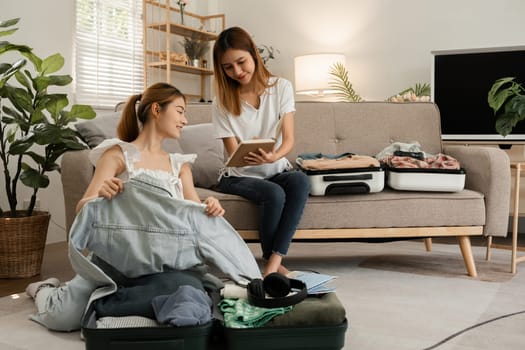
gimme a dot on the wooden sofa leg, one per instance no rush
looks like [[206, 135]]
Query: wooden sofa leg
[[466, 251], [428, 244], [489, 245]]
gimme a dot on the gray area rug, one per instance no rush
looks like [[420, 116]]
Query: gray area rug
[[439, 264], [397, 297]]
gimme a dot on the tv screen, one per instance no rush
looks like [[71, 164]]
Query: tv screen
[[461, 80]]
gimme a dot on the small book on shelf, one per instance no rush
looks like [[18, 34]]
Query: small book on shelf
[[247, 146]]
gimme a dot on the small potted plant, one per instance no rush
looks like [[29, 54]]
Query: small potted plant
[[195, 49], [341, 83], [507, 94], [267, 53], [34, 132]]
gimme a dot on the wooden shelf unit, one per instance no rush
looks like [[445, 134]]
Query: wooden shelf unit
[[162, 28]]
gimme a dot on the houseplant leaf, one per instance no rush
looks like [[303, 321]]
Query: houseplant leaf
[[498, 94], [31, 116], [52, 64], [507, 93], [32, 178]]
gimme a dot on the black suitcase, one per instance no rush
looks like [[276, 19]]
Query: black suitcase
[[289, 338], [151, 338], [279, 334]]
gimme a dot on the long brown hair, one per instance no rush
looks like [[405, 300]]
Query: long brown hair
[[128, 128], [227, 90]]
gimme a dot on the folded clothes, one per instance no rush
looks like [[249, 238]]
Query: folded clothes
[[343, 161], [127, 322], [188, 306], [135, 299], [239, 313]]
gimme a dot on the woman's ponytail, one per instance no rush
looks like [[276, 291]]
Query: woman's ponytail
[[128, 126]]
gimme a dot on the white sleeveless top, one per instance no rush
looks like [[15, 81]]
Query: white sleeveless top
[[131, 154]]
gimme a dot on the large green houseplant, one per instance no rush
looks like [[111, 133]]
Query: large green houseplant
[[35, 128], [507, 94]]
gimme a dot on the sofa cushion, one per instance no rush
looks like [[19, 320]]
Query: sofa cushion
[[94, 131], [199, 139], [389, 208]]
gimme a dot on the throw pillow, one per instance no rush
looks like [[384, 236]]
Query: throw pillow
[[199, 139], [103, 126]]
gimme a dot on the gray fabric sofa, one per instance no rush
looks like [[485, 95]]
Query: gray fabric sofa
[[482, 208]]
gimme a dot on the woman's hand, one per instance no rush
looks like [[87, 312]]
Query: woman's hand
[[110, 188], [213, 207], [261, 157]]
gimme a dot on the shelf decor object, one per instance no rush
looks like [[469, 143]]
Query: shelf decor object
[[164, 57]]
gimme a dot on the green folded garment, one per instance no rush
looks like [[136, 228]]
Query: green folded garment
[[313, 311], [239, 313]]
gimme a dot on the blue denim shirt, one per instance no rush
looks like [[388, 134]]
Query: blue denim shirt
[[145, 230]]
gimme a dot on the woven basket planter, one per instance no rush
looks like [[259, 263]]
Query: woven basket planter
[[22, 243]]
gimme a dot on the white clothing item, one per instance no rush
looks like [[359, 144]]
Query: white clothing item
[[127, 322], [233, 291], [263, 122], [389, 150], [132, 155]]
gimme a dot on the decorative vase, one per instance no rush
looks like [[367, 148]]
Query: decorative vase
[[194, 62], [22, 243]]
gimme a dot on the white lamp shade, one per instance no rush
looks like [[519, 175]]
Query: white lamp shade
[[312, 75]]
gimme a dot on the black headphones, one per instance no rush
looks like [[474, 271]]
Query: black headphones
[[278, 287]]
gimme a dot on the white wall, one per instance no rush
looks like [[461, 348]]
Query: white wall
[[48, 27], [387, 43]]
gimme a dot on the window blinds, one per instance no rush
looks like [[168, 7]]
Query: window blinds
[[108, 51]]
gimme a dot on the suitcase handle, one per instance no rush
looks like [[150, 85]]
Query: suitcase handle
[[347, 177], [347, 188]]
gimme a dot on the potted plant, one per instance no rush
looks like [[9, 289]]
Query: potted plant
[[341, 83], [195, 49], [267, 53], [507, 93], [34, 132]]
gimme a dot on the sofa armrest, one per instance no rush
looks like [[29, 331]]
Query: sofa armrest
[[76, 173], [487, 171]]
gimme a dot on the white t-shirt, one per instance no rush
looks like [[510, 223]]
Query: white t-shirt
[[263, 122]]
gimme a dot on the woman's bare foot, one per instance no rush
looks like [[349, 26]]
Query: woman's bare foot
[[274, 265], [283, 270]]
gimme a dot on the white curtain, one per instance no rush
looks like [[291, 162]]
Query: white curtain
[[108, 51]]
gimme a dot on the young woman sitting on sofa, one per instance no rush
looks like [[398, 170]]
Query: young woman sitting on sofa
[[252, 103]]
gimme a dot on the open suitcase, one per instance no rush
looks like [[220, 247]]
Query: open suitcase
[[345, 181], [154, 338], [289, 338], [212, 336], [426, 179], [316, 323]]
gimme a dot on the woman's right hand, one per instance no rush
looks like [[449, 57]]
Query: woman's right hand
[[110, 188]]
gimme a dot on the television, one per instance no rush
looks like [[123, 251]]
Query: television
[[461, 80]]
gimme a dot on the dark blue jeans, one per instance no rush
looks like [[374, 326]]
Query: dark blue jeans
[[280, 200]]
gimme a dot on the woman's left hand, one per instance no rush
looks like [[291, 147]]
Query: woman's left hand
[[261, 158], [213, 207]]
